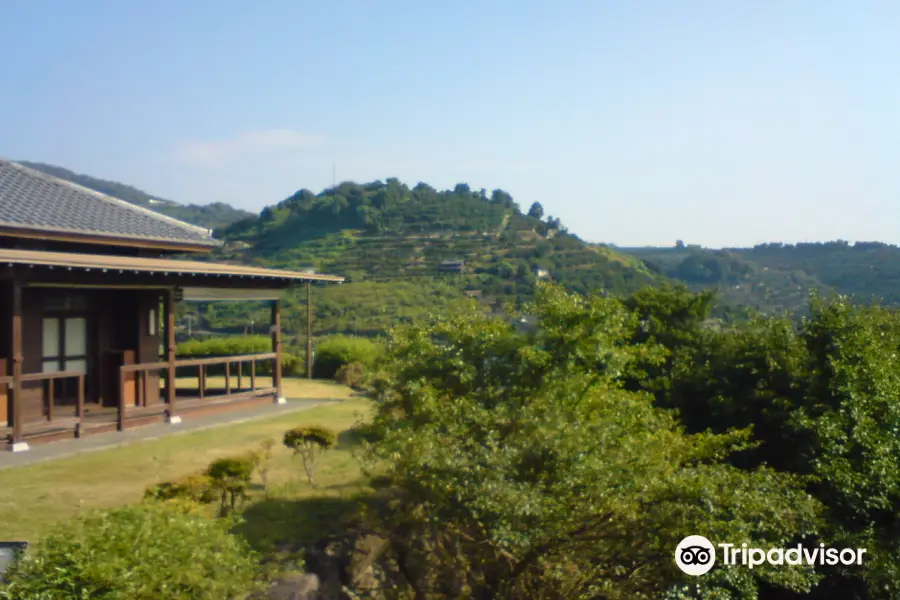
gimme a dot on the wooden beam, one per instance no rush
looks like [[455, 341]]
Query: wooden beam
[[201, 294], [309, 361], [17, 359], [276, 348], [169, 302]]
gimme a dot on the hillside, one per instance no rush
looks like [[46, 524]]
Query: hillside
[[865, 270], [741, 281], [211, 216], [419, 250], [779, 277]]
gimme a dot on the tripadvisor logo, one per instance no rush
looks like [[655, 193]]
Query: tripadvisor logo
[[696, 555]]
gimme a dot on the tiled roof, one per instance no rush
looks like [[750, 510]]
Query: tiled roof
[[31, 200]]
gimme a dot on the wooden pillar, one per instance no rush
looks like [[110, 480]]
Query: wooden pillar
[[169, 302], [309, 357], [276, 348], [17, 443]]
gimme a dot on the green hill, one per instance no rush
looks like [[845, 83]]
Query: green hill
[[410, 251], [211, 216], [741, 281]]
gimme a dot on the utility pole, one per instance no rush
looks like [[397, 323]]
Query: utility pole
[[309, 355]]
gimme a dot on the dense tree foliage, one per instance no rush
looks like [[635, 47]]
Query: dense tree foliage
[[136, 553], [520, 466], [821, 399], [567, 459]]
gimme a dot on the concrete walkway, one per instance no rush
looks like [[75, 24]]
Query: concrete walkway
[[113, 439]]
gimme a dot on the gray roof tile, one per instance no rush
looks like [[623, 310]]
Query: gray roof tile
[[33, 200]]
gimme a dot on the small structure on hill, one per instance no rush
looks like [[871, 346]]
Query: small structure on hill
[[452, 266]]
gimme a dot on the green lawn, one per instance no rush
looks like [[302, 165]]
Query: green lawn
[[293, 387], [35, 497]]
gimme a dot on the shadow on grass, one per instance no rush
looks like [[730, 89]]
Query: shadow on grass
[[280, 528], [349, 438]]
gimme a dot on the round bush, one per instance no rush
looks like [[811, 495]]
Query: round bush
[[313, 435], [351, 375], [143, 552], [197, 487], [334, 352]]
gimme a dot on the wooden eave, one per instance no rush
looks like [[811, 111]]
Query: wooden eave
[[107, 240], [101, 268]]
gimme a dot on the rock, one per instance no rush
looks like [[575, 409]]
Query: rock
[[301, 586], [365, 552]]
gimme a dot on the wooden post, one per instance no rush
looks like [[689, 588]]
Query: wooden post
[[309, 357], [17, 443], [50, 399], [121, 417], [79, 408], [276, 348], [171, 385]]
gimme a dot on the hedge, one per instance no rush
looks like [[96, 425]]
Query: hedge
[[236, 345], [334, 352], [144, 552]]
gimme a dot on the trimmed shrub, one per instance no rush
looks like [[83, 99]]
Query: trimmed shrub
[[142, 552], [352, 375], [309, 443], [334, 352], [236, 345], [231, 478], [196, 488], [291, 365], [262, 467], [225, 346]]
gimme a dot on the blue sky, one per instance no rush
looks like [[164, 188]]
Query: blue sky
[[716, 122]]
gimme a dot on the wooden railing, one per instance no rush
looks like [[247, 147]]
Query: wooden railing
[[48, 399], [47, 391], [142, 373]]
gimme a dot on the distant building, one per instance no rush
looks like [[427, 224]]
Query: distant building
[[472, 293], [541, 273]]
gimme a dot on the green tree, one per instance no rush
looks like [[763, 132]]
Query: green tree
[[520, 467], [536, 211], [231, 478], [309, 443], [821, 399]]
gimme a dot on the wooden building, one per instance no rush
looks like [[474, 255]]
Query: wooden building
[[88, 288], [452, 266]]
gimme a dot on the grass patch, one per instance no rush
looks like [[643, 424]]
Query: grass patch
[[293, 387], [35, 497]]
